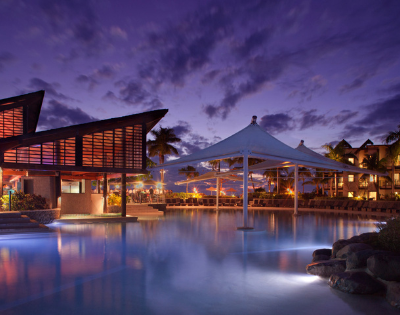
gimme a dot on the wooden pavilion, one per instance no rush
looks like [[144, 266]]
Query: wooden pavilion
[[40, 162]]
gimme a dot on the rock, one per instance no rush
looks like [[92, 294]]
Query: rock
[[320, 257], [338, 245], [357, 260], [385, 265], [351, 248], [323, 251], [326, 268], [369, 238], [393, 294], [355, 282]]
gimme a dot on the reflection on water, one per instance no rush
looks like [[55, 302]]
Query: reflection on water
[[188, 262]]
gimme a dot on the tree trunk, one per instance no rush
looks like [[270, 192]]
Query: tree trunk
[[277, 181], [323, 185], [393, 178], [336, 185], [251, 178], [187, 187], [377, 188], [330, 187]]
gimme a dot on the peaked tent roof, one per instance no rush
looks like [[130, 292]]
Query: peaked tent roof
[[258, 143], [333, 164]]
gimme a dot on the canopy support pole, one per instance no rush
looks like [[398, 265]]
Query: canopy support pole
[[245, 191], [296, 189], [217, 192]]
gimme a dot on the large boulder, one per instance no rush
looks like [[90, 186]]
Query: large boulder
[[355, 282], [338, 245], [320, 257], [358, 260], [370, 238], [326, 268], [323, 251], [393, 294], [385, 265], [351, 248]]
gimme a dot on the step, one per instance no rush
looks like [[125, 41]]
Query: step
[[21, 219], [10, 214], [31, 224]]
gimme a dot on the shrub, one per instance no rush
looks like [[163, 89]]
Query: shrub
[[22, 201], [389, 234], [115, 200]]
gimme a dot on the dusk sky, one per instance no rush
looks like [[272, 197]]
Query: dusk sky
[[313, 70]]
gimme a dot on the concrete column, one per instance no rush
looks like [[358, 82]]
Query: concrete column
[[296, 189], [105, 191], [245, 188], [1, 182], [217, 192], [123, 195]]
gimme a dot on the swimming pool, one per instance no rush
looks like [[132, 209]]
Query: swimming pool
[[188, 262]]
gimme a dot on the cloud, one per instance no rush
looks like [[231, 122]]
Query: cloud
[[84, 79], [184, 47], [357, 82], [57, 115], [105, 72], [305, 89], [343, 116], [71, 56], [50, 88], [277, 123], [310, 118], [381, 117], [182, 128], [134, 93], [77, 20], [5, 58], [252, 42], [118, 32]]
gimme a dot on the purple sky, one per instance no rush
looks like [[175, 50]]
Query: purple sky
[[313, 70]]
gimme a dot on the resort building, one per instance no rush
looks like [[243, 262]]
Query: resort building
[[366, 186], [66, 165]]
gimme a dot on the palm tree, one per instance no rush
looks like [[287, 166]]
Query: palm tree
[[393, 138], [269, 176], [239, 160], [161, 145], [317, 179], [189, 172], [338, 153], [304, 173], [373, 163]]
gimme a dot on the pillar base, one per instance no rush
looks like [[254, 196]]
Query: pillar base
[[296, 214], [244, 228]]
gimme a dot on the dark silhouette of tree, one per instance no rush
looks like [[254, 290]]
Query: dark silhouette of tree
[[189, 172], [161, 145]]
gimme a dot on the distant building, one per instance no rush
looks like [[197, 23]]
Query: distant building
[[355, 185], [65, 165]]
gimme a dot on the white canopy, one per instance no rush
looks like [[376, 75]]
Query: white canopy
[[257, 143], [253, 141]]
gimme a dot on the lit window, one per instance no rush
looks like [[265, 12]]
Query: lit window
[[351, 194], [351, 160], [351, 178], [73, 187]]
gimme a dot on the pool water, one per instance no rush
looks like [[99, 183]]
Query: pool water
[[188, 262]]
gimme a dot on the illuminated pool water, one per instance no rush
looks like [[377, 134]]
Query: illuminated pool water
[[192, 262]]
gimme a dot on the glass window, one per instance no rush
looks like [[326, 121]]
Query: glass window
[[73, 186], [351, 160], [351, 178], [351, 194]]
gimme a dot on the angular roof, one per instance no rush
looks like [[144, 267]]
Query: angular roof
[[33, 104]]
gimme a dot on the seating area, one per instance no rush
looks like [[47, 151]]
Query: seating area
[[351, 205]]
